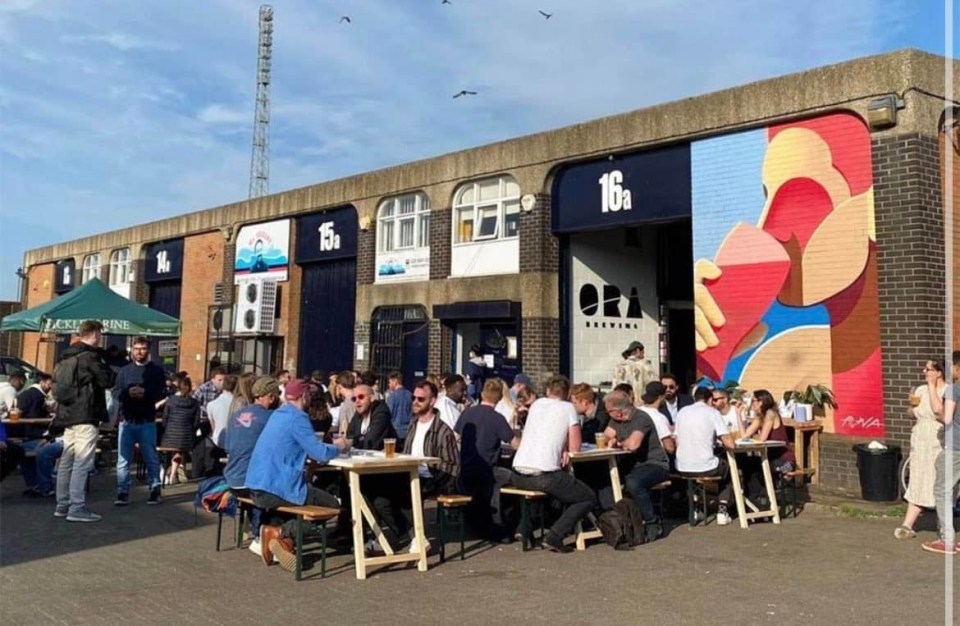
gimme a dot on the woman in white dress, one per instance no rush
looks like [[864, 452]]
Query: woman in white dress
[[925, 445]]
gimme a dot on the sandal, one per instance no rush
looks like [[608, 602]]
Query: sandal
[[902, 532]]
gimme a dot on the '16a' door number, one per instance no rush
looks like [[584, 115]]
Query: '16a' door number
[[613, 195]]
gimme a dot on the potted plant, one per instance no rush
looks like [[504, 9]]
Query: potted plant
[[812, 402]]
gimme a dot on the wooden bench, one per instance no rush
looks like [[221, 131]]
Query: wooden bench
[[696, 486], [529, 498], [787, 489], [450, 513], [657, 500]]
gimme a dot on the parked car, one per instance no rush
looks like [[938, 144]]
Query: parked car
[[10, 365]]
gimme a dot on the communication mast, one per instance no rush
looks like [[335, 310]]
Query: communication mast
[[260, 157]]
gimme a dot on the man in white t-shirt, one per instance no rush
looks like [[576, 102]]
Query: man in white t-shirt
[[652, 398], [552, 430], [447, 404], [697, 428]]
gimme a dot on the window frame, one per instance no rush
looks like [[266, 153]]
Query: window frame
[[92, 267], [120, 269], [475, 206], [389, 213]]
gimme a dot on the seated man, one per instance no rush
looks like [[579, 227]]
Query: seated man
[[34, 403], [632, 429], [697, 428], [552, 430], [239, 439], [371, 423], [593, 415], [652, 398], [275, 475], [482, 432]]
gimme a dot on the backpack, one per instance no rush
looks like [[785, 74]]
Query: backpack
[[66, 387], [622, 524]]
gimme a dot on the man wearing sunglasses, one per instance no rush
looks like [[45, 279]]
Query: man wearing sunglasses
[[673, 400], [371, 424]]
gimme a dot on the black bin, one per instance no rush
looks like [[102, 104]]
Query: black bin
[[878, 472]]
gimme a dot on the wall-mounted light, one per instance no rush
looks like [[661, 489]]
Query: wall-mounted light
[[882, 111], [527, 202], [227, 232], [365, 223]]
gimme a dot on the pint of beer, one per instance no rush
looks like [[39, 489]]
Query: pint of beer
[[914, 400], [389, 448], [14, 415], [601, 441]]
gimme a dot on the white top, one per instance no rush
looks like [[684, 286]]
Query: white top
[[505, 410], [545, 436], [732, 419], [8, 398], [671, 408], [335, 414], [664, 429], [417, 450], [449, 412], [364, 425], [697, 427], [218, 411]]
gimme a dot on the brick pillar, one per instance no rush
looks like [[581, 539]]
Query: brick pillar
[[140, 290], [540, 348], [366, 255], [361, 334], [539, 249], [40, 283], [440, 235], [434, 347]]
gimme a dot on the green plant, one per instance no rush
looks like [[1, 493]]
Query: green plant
[[733, 390], [817, 395]]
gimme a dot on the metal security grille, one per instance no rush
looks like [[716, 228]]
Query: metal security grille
[[388, 328]]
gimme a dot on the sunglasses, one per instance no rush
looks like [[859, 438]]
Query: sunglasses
[[716, 399], [669, 386], [359, 396]]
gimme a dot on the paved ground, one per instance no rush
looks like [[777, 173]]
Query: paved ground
[[152, 565]]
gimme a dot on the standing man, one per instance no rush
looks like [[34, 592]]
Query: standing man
[[141, 384], [400, 403], [673, 400], [81, 380], [633, 370], [210, 390], [552, 431], [948, 462]]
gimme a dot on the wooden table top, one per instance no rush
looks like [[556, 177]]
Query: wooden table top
[[377, 461], [809, 425], [594, 453], [30, 421], [756, 445]]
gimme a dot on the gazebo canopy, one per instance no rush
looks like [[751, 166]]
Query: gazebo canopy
[[93, 301]]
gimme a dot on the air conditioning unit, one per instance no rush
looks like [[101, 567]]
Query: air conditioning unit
[[256, 307], [219, 322]]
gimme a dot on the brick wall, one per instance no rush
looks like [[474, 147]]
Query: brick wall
[[434, 342], [440, 243], [361, 334], [203, 261], [10, 342], [140, 290], [540, 348], [946, 144], [911, 280], [40, 282], [539, 250], [366, 255]]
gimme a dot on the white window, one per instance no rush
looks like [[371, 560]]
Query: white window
[[403, 223], [120, 267], [403, 239], [91, 267], [486, 210]]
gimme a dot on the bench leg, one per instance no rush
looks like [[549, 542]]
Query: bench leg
[[219, 528], [525, 530], [239, 525], [298, 570], [441, 523], [691, 505], [461, 523], [323, 549], [543, 515]]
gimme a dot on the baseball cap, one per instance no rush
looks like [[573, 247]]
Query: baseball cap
[[265, 385], [652, 391], [523, 379], [296, 389]]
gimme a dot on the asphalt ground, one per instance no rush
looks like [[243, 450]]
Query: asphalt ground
[[152, 565]]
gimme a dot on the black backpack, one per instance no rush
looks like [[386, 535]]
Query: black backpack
[[622, 524], [66, 388]]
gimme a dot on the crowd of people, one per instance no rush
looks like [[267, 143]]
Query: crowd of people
[[485, 433]]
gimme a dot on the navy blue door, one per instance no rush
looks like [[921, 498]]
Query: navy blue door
[[165, 297], [327, 310], [415, 346], [496, 339]]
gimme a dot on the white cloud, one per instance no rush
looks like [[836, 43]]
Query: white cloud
[[141, 115]]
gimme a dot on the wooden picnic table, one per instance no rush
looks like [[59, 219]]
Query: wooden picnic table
[[593, 454], [761, 448], [376, 463], [802, 430], [29, 421]]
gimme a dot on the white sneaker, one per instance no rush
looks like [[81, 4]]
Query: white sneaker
[[413, 546], [723, 518], [255, 547], [372, 546]]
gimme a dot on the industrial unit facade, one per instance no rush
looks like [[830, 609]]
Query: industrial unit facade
[[780, 234]]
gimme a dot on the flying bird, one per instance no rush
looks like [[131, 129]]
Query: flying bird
[[464, 92], [345, 18], [447, 2], [546, 16]]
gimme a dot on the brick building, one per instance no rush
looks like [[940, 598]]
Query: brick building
[[780, 234]]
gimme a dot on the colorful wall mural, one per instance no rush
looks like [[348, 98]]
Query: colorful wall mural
[[785, 264]]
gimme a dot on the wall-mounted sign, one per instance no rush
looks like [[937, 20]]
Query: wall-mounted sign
[[66, 276], [328, 235], [263, 249], [628, 190], [163, 261], [400, 265]]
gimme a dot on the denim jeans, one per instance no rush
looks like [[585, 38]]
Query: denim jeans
[[79, 449], [38, 471], [144, 433], [944, 490], [638, 483], [564, 487]]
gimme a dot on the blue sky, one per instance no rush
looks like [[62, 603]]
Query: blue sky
[[114, 113]]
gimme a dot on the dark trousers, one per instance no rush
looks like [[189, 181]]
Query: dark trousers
[[638, 482], [206, 457], [315, 497], [389, 495], [564, 487], [485, 513], [10, 457]]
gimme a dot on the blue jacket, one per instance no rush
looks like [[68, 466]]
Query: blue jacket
[[280, 454], [240, 438], [400, 403]]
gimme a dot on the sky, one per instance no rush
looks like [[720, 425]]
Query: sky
[[119, 112]]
